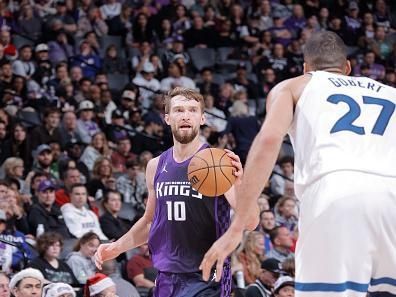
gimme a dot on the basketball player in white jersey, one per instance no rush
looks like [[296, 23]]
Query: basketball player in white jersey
[[343, 130]]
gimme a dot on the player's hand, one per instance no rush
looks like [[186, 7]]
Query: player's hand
[[104, 253], [219, 251], [236, 162]]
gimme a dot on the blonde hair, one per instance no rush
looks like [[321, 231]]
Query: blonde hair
[[239, 109], [189, 94], [10, 164], [247, 249]]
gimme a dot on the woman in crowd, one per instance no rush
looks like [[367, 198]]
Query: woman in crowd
[[49, 246], [98, 148], [102, 178], [81, 259], [113, 226], [250, 254], [286, 213]]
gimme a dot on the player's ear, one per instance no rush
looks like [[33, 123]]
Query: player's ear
[[348, 67], [167, 119], [203, 119]]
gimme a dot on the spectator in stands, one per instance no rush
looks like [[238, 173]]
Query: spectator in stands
[[3, 131], [198, 35], [10, 50], [60, 49], [98, 148], [284, 287], [92, 22], [177, 49], [113, 226], [86, 127], [49, 246], [123, 288], [58, 290], [380, 44], [267, 223], [182, 22], [24, 65], [43, 162], [147, 83], [74, 149], [352, 25], [282, 183], [132, 186], [13, 169], [6, 251], [122, 155], [102, 178], [297, 21], [282, 242], [80, 260], [207, 86], [111, 9], [121, 24], [243, 127], [113, 62], [215, 118], [68, 128], [241, 81], [29, 24], [48, 132], [6, 75], [289, 266], [176, 78], [27, 283], [279, 31], [375, 71], [286, 213], [99, 285], [78, 218], [8, 232], [89, 62], [141, 29], [140, 269], [4, 285], [46, 212], [263, 286]]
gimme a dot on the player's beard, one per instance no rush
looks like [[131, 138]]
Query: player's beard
[[185, 137]]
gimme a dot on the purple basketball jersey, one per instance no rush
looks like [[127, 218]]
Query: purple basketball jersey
[[185, 223]]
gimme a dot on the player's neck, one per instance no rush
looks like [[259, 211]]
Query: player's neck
[[182, 152]]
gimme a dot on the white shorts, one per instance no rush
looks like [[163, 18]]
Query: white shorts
[[347, 236]]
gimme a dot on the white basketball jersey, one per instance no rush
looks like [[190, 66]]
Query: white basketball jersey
[[343, 123]]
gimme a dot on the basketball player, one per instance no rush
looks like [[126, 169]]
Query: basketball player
[[343, 132], [179, 223]]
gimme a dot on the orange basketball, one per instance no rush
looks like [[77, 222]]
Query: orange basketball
[[210, 172]]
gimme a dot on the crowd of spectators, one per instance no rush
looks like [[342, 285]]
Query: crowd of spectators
[[81, 114]]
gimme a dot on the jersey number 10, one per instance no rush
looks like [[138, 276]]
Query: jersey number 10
[[176, 210], [345, 123]]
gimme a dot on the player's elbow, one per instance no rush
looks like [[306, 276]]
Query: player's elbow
[[254, 219], [270, 139]]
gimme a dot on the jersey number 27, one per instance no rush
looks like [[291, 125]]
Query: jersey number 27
[[345, 123]]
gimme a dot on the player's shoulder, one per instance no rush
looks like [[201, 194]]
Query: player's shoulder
[[294, 86], [153, 164]]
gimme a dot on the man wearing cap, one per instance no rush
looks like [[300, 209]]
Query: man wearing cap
[[284, 287], [5, 257], [27, 283], [270, 271], [46, 212], [58, 290], [43, 158], [177, 49], [49, 131], [147, 83], [68, 23], [86, 127], [128, 102]]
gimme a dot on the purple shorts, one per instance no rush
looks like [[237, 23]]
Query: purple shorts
[[185, 285]]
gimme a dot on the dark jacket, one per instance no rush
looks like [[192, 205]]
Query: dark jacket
[[52, 220]]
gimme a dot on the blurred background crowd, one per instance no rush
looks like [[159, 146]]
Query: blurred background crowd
[[81, 114]]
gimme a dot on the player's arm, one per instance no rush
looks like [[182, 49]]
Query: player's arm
[[261, 159], [138, 234]]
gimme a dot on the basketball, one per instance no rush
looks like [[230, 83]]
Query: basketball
[[210, 172]]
